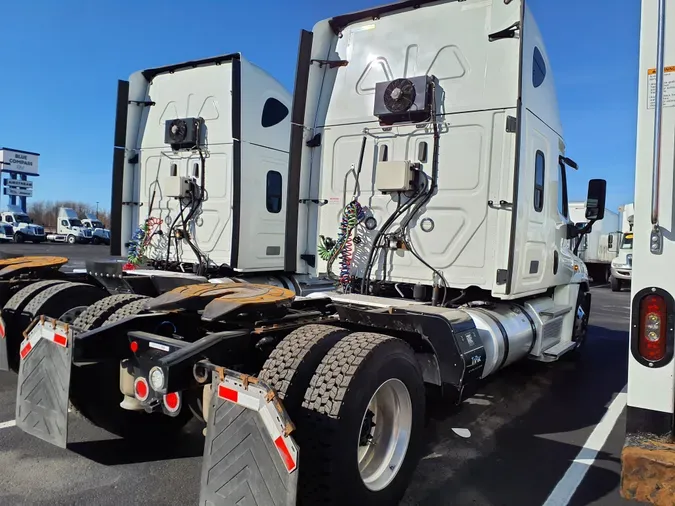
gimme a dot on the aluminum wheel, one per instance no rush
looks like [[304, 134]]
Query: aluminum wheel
[[385, 434]]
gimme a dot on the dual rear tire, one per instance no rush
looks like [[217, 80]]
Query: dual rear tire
[[358, 401]]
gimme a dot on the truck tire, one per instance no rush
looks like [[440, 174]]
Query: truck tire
[[291, 365], [615, 284], [95, 392], [364, 423], [71, 239], [65, 301], [94, 316], [18, 237], [11, 314]]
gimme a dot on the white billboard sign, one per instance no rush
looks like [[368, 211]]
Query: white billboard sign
[[18, 192], [18, 183], [22, 162]]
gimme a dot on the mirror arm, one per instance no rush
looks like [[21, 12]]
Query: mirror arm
[[581, 232]]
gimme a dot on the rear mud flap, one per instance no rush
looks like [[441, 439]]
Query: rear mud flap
[[249, 455], [4, 357], [44, 380]]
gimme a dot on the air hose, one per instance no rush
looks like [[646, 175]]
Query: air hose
[[343, 247], [141, 239]]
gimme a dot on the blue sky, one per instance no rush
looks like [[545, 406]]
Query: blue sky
[[61, 61]]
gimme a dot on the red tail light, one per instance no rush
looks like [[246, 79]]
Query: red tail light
[[172, 402], [653, 321], [141, 388]]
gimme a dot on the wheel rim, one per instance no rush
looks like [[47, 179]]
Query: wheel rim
[[385, 434]]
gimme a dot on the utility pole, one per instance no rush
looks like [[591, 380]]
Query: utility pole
[[96, 209]]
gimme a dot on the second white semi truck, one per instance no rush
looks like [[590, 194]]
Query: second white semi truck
[[414, 238]]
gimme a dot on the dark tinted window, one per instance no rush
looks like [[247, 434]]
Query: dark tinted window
[[538, 68], [273, 191], [274, 112], [539, 169]]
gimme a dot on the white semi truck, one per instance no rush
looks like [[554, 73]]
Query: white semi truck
[[622, 265], [600, 246], [100, 234], [23, 228], [415, 237], [70, 229], [648, 457]]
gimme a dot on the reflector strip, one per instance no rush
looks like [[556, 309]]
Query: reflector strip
[[285, 454], [228, 394], [2, 328], [46, 328], [26, 350], [258, 397], [248, 401], [61, 340]]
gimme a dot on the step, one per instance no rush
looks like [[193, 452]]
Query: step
[[560, 349], [556, 311]]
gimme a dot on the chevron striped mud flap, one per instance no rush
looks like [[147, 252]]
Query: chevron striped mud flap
[[249, 455], [44, 380]]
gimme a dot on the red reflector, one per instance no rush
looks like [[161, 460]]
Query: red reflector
[[128, 267], [172, 401], [26, 350], [141, 389], [2, 328], [653, 321], [61, 340], [285, 454], [228, 394], [134, 346]]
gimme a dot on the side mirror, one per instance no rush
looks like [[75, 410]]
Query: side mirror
[[595, 202]]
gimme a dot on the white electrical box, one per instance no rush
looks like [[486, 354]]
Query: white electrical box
[[176, 186], [394, 176]]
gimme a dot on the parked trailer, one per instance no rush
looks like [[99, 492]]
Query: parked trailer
[[442, 280], [622, 265], [600, 246], [648, 456]]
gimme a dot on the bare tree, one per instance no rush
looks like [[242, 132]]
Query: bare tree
[[46, 212]]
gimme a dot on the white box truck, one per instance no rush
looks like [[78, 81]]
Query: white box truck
[[601, 246]]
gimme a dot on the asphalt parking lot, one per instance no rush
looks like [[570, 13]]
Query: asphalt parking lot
[[513, 444]]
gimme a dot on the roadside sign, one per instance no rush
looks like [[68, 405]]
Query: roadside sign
[[18, 183], [18, 192]]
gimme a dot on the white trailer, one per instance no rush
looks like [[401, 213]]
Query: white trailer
[[427, 176], [622, 265], [601, 246], [70, 229], [23, 228], [648, 456]]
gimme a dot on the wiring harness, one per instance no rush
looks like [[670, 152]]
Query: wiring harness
[[343, 247]]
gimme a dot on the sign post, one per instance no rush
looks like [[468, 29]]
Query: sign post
[[19, 164]]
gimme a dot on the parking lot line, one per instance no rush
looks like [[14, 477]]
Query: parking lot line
[[5, 425], [567, 486]]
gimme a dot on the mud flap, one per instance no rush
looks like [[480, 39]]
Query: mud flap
[[44, 380], [4, 357], [249, 455]]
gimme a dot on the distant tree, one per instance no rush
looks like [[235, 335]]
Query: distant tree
[[46, 212]]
